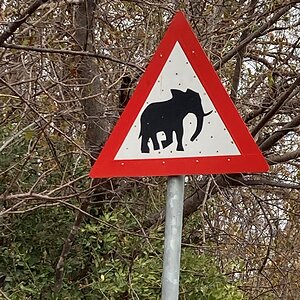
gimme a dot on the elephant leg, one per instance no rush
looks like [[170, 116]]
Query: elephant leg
[[154, 141], [179, 136], [169, 139], [144, 144]]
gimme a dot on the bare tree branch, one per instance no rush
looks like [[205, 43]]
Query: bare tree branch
[[275, 159], [257, 33], [276, 106], [13, 26], [193, 202], [265, 182], [72, 52], [276, 136], [240, 56]]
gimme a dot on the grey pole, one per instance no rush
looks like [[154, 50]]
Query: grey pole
[[173, 232]]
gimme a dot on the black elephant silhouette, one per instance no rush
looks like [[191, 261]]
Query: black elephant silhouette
[[167, 116]]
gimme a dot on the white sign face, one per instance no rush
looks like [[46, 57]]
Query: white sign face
[[169, 123]]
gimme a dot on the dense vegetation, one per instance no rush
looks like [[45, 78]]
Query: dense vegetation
[[67, 68]]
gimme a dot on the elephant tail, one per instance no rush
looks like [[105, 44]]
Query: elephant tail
[[207, 114]]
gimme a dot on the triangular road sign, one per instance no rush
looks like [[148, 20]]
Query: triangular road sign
[[180, 120]]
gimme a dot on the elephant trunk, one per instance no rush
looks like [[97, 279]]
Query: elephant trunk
[[200, 116]]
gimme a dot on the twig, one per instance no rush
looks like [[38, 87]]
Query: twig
[[7, 142], [44, 118], [4, 295], [59, 270], [12, 207], [203, 207], [271, 231]]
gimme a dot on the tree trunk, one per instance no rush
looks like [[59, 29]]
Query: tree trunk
[[97, 125]]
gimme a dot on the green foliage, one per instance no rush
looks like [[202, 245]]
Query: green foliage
[[29, 250], [106, 262], [202, 280]]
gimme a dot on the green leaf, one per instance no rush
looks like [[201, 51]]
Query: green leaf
[[28, 134]]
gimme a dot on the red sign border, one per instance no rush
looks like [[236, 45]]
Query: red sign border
[[251, 158]]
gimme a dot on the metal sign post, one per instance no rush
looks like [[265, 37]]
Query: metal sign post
[[172, 243]]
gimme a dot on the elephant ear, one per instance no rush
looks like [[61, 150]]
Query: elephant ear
[[191, 93], [177, 94]]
